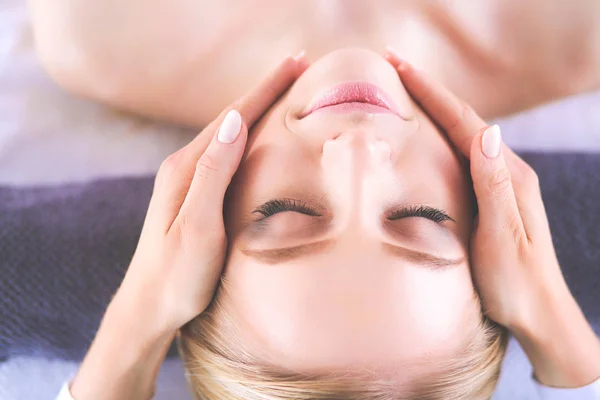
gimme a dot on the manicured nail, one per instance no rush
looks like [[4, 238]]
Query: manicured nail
[[491, 141], [300, 55], [392, 51], [399, 62], [230, 127]]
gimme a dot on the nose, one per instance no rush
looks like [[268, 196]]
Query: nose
[[356, 167], [362, 148]]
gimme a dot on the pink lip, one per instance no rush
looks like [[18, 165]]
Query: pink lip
[[352, 96]]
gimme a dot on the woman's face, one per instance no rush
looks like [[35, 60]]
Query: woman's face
[[348, 228]]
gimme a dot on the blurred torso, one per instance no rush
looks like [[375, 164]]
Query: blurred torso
[[500, 56]]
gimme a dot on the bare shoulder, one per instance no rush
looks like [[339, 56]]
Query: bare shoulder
[[557, 42], [164, 59], [514, 54]]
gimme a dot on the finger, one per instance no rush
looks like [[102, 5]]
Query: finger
[[496, 200], [176, 172], [392, 57], [253, 105], [528, 193], [213, 173], [457, 119], [462, 125]]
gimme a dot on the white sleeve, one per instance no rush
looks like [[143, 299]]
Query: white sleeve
[[589, 392], [65, 394]]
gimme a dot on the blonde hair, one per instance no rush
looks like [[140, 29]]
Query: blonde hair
[[217, 369]]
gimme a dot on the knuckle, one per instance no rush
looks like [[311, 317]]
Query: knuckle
[[468, 113], [509, 231], [206, 165], [499, 182], [513, 227], [171, 161], [527, 180], [209, 228], [188, 224], [530, 177], [169, 165], [465, 111]]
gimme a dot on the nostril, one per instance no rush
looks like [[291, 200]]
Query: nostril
[[353, 136]]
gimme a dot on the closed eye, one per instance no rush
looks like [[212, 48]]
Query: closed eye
[[431, 213], [275, 206]]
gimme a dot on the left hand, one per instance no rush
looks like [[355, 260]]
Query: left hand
[[177, 264], [512, 255]]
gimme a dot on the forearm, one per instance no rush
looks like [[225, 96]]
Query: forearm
[[125, 357], [560, 343]]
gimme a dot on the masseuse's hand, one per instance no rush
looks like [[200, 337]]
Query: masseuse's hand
[[180, 255], [177, 265], [512, 256]]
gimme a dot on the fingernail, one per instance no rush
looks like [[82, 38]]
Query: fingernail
[[491, 141], [300, 55], [391, 50], [230, 127], [400, 63]]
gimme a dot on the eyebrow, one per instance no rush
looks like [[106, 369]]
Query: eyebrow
[[278, 256], [429, 260], [281, 255]]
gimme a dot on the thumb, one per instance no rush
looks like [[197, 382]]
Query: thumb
[[498, 210], [215, 168]]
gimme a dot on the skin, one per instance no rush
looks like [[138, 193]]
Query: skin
[[526, 292], [182, 248], [178, 262], [160, 58], [356, 278]]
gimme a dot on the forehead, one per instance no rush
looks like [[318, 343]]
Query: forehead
[[351, 305]]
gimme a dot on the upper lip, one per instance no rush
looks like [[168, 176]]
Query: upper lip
[[354, 92]]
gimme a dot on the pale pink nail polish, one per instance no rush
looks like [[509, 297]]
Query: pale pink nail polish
[[491, 140], [230, 127]]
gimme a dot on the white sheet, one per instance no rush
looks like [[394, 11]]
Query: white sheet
[[48, 136]]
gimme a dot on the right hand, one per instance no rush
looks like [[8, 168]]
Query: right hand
[[513, 261], [179, 259], [181, 252]]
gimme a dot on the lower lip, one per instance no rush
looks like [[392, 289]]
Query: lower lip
[[354, 96]]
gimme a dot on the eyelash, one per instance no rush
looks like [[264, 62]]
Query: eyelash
[[275, 206], [430, 213]]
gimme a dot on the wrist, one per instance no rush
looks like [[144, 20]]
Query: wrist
[[125, 357], [559, 342], [544, 311], [140, 309], [135, 324]]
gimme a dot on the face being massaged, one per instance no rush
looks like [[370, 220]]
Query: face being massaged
[[352, 227], [349, 222]]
